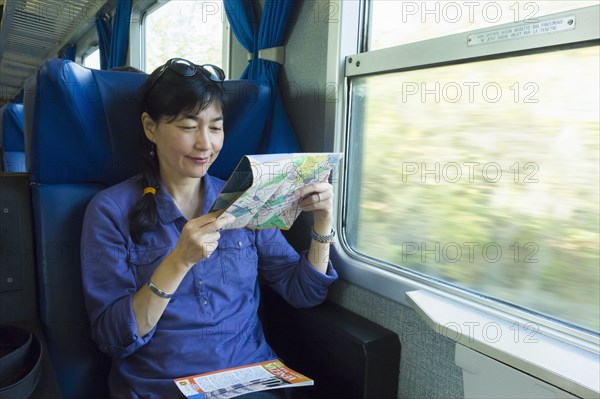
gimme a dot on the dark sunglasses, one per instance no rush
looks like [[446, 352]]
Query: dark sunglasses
[[188, 69]]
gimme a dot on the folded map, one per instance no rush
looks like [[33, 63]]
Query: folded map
[[261, 190]]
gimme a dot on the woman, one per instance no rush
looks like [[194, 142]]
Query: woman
[[168, 292]]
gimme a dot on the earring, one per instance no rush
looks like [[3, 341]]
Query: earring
[[152, 152]]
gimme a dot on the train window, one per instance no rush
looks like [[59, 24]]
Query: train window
[[189, 29], [482, 173], [422, 20], [92, 60]]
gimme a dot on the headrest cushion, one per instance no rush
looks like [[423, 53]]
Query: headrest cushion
[[83, 124], [11, 127]]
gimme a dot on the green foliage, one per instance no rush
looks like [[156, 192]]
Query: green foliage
[[499, 197], [190, 29]]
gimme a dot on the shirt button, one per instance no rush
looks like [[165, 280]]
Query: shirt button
[[240, 243], [205, 302], [200, 283]]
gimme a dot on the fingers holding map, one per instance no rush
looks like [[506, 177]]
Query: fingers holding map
[[261, 190]]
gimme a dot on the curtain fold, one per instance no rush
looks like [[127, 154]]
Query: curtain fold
[[103, 28], [119, 39], [68, 52], [71, 52], [271, 34], [113, 41], [279, 135], [242, 20]]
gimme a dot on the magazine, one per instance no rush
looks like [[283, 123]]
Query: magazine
[[236, 381], [260, 191]]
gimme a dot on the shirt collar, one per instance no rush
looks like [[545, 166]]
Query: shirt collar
[[167, 209], [212, 187]]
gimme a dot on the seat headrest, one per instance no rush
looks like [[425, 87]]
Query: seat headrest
[[82, 124], [246, 120], [11, 127]]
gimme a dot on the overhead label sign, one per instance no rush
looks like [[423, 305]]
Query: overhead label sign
[[525, 30]]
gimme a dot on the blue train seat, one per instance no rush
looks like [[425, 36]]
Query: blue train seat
[[12, 147], [81, 137]]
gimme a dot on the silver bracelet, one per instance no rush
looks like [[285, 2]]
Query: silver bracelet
[[158, 291], [328, 239]]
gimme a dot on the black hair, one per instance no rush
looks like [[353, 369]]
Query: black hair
[[166, 98], [126, 68]]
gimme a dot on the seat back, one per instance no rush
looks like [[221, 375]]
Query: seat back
[[81, 137], [79, 140], [12, 147]]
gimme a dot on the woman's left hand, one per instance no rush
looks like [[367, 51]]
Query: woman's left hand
[[318, 199]]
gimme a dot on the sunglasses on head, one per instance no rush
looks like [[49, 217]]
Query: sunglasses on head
[[188, 69]]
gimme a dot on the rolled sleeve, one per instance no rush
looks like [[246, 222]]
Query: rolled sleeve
[[315, 277], [116, 332], [290, 274]]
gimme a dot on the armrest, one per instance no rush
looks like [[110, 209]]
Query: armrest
[[347, 355], [47, 387]]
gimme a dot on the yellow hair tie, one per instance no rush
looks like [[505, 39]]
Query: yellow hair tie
[[149, 190]]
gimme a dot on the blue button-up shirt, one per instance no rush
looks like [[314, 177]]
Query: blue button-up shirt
[[211, 322]]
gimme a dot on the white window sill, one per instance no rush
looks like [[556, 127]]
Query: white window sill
[[565, 366]]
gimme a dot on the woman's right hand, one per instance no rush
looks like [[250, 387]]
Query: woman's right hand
[[199, 238]]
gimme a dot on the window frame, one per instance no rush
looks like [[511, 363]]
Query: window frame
[[140, 37], [389, 280]]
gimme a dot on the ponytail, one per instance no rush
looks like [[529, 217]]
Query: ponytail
[[143, 216]]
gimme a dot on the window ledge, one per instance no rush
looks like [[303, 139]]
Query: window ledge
[[522, 347]]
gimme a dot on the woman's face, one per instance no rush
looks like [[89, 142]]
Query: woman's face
[[187, 145]]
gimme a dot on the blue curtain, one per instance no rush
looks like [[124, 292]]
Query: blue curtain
[[69, 52], [279, 135], [113, 41], [103, 28]]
